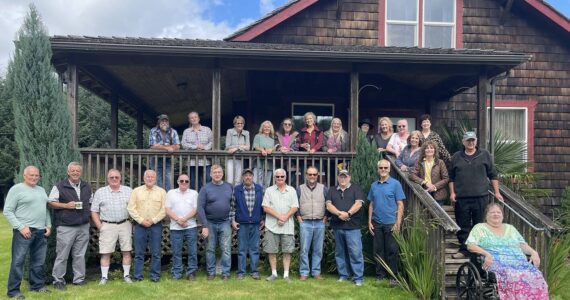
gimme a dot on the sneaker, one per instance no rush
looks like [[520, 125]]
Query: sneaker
[[225, 277], [358, 283], [240, 277], [342, 279], [42, 290], [271, 278], [191, 277], [393, 283], [80, 283], [303, 278], [287, 279], [59, 285], [319, 277], [211, 277], [103, 281], [17, 296], [155, 280], [255, 276], [459, 255], [127, 279]]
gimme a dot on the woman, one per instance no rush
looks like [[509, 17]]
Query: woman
[[385, 132], [398, 141], [366, 128], [264, 142], [311, 137], [286, 136], [237, 139], [430, 172], [505, 255], [429, 135], [336, 139], [406, 161]]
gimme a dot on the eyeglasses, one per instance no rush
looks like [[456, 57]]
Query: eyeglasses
[[287, 124], [239, 123], [383, 168], [401, 126], [276, 176], [312, 174], [183, 181], [114, 177]]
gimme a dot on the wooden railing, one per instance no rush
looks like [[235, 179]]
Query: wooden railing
[[420, 204], [133, 162]]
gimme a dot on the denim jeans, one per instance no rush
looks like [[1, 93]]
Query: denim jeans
[[262, 178], [233, 171], [312, 237], [36, 246], [386, 247], [162, 168], [177, 238], [142, 236], [348, 252], [248, 243], [219, 233], [197, 178]]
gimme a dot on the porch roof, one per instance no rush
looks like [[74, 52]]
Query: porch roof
[[143, 72]]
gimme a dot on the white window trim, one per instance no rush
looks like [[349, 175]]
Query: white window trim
[[400, 22], [525, 109], [453, 25]]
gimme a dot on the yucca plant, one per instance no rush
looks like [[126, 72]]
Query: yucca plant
[[559, 250], [418, 266]]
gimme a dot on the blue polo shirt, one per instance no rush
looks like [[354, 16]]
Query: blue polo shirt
[[385, 196]]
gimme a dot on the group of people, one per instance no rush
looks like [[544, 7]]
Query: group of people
[[248, 208]]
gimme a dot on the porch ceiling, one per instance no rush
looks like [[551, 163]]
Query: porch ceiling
[[174, 76]]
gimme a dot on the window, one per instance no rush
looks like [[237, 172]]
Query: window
[[324, 113], [422, 23]]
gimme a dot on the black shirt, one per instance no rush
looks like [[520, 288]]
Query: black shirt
[[343, 201]]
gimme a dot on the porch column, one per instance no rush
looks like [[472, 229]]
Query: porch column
[[216, 101], [140, 119], [482, 133], [353, 125], [72, 91], [114, 121]]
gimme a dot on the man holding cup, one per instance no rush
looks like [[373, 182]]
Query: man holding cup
[[70, 199]]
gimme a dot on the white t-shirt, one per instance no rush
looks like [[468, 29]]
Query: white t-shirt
[[398, 143], [181, 204]]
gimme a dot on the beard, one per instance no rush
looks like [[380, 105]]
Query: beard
[[164, 127]]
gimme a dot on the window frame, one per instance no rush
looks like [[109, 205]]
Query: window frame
[[440, 24], [416, 23]]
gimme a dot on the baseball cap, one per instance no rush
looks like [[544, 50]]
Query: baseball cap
[[344, 172], [246, 171], [469, 135], [162, 117]]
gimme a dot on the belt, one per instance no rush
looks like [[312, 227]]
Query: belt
[[120, 222]]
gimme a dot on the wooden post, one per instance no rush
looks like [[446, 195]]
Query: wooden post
[[482, 133], [140, 120], [72, 91], [114, 121], [353, 126], [216, 101]]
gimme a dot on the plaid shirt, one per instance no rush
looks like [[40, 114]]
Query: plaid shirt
[[191, 138], [249, 198], [112, 205], [156, 138]]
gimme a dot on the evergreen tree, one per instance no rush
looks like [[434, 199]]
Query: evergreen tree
[[8, 149], [42, 120], [363, 167]]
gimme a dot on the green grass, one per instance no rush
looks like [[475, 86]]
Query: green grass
[[201, 289]]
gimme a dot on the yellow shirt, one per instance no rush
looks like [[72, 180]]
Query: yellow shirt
[[428, 167], [147, 203]]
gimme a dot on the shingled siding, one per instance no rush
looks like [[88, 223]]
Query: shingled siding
[[545, 79], [355, 22]]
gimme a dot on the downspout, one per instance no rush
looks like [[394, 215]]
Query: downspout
[[492, 110]]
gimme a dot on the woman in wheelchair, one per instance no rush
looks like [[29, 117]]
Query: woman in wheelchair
[[505, 253]]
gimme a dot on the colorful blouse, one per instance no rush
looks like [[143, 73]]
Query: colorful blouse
[[516, 277], [441, 150]]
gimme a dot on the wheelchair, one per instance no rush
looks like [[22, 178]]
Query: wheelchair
[[473, 282]]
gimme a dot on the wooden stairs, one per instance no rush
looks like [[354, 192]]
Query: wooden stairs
[[451, 264]]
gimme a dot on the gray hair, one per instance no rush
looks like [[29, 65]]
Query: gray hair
[[73, 164]]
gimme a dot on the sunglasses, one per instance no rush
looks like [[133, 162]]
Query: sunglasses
[[383, 168], [183, 181], [279, 176], [114, 177], [312, 174]]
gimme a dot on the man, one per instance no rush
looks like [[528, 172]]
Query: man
[[214, 210], [110, 215], [70, 200], [385, 213], [311, 218], [164, 138], [146, 207], [197, 137], [280, 204], [344, 203], [181, 208], [248, 220], [26, 211], [469, 175]]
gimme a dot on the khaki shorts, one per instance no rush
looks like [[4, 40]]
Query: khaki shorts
[[111, 233], [272, 241]]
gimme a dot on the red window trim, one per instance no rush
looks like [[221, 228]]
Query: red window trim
[[530, 105], [458, 23]]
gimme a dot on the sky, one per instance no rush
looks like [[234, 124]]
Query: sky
[[193, 19]]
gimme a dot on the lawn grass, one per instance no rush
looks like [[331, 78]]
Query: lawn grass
[[201, 289]]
